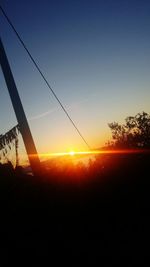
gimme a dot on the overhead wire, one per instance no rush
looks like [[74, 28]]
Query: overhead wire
[[43, 76]]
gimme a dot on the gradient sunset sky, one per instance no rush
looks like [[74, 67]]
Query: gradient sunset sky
[[96, 57]]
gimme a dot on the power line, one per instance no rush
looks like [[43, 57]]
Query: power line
[[42, 75]]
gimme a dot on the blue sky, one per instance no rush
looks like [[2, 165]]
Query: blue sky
[[95, 54]]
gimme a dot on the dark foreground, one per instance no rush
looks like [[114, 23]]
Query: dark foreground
[[103, 220]]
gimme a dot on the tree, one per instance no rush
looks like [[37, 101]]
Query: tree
[[135, 133], [7, 140]]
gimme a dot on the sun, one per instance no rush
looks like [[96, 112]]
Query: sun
[[71, 153]]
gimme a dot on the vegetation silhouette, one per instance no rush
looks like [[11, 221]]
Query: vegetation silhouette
[[135, 133], [77, 215]]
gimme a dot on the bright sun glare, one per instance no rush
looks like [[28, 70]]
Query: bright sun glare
[[71, 153]]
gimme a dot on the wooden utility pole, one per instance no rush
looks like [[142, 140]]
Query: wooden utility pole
[[19, 111]]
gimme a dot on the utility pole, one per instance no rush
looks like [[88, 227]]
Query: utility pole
[[19, 111]]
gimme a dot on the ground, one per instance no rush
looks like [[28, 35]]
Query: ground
[[99, 222]]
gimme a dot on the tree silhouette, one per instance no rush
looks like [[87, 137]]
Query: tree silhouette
[[7, 140], [135, 133]]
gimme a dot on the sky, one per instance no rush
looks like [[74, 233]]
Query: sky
[[96, 57]]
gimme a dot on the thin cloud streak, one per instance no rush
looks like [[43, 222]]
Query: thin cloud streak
[[44, 114], [48, 112]]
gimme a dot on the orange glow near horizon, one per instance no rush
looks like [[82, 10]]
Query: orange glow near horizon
[[79, 154], [92, 152]]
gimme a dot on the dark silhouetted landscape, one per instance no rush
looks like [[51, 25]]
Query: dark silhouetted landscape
[[77, 215]]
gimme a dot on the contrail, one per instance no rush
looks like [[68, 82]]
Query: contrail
[[44, 114], [48, 112]]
